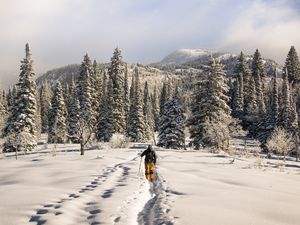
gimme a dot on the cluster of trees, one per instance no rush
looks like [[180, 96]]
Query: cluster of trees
[[102, 102], [94, 106], [265, 105]]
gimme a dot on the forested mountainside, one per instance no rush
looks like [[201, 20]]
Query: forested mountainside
[[153, 75]]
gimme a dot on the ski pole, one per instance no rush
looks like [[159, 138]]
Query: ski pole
[[140, 167]]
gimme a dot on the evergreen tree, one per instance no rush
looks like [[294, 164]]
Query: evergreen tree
[[116, 72], [275, 101], [105, 119], [45, 102], [163, 98], [251, 109], [258, 73], [288, 116], [136, 125], [57, 117], [171, 124], [147, 112], [292, 65], [155, 108], [21, 126], [4, 101], [73, 109], [85, 89], [210, 113], [238, 102], [243, 69], [96, 87], [126, 94]]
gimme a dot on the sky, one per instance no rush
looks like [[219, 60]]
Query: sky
[[60, 32]]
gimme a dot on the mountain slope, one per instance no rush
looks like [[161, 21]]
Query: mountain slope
[[197, 58], [154, 76]]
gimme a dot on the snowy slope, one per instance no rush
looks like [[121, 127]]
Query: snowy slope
[[196, 58], [181, 56], [104, 187], [65, 74]]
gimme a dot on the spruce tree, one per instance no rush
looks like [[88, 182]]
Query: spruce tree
[[45, 102], [57, 117], [73, 113], [105, 119], [292, 65], [288, 116], [96, 86], [258, 73], [238, 102], [171, 124], [163, 98], [21, 126], [85, 89], [136, 126], [126, 94], [116, 73], [4, 102], [251, 109], [155, 108], [210, 112], [147, 112], [275, 101]]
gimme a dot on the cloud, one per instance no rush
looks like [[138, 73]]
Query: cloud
[[271, 26], [60, 32]]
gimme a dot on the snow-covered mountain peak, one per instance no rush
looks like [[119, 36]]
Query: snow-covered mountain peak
[[185, 55]]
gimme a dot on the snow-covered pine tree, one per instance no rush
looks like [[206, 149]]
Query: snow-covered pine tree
[[85, 89], [9, 98], [45, 102], [96, 87], [258, 73], [210, 113], [21, 126], [288, 116], [171, 124], [147, 112], [292, 65], [73, 109], [243, 69], [126, 95], [238, 102], [4, 101], [136, 126], [57, 117], [170, 89], [251, 109], [275, 101], [155, 108], [116, 72], [105, 119], [3, 112], [163, 98], [131, 90]]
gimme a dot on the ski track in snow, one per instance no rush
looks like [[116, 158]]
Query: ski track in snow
[[148, 205]]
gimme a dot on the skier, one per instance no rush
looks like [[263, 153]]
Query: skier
[[150, 161]]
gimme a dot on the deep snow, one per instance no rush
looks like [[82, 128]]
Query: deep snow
[[104, 187]]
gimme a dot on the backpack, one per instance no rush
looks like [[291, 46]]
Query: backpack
[[151, 157]]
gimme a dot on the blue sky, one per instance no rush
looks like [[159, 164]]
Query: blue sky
[[60, 32]]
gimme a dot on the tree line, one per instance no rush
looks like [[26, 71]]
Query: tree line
[[101, 102]]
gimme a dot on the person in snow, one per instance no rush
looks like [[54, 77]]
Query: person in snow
[[150, 161]]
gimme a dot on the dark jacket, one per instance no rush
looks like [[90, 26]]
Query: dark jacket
[[150, 156]]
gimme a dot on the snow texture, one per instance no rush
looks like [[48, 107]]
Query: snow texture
[[105, 187]]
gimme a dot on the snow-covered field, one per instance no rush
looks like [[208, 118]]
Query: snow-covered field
[[104, 187]]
